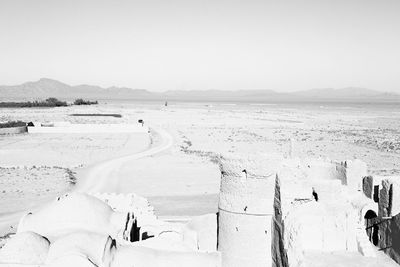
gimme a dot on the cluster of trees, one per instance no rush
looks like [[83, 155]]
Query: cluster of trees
[[80, 101], [10, 124], [49, 102]]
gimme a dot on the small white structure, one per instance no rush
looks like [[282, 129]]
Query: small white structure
[[64, 127]]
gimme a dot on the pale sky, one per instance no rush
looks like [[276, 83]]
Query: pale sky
[[212, 44]]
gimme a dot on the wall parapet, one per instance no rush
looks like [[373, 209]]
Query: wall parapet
[[90, 128]]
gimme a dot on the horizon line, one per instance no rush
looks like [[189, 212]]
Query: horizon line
[[208, 89]]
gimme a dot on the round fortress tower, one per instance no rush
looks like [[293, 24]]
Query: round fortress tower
[[245, 213]]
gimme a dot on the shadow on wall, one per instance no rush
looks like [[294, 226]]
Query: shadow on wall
[[383, 229], [389, 237], [371, 226], [279, 255]]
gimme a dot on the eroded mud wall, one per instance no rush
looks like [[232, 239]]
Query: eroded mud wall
[[279, 255], [368, 186], [355, 171], [389, 233], [385, 199], [245, 215], [325, 170]]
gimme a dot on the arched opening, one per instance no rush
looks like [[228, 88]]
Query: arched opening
[[371, 226]]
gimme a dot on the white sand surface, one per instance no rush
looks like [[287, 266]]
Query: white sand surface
[[68, 150], [23, 188], [174, 185], [186, 178], [35, 168], [178, 180]]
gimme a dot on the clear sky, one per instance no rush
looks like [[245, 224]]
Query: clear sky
[[203, 44]]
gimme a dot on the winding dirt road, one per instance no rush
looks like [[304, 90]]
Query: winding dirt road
[[101, 176], [96, 178]]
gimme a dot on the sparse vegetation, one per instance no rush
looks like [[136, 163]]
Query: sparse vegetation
[[12, 124], [71, 176], [49, 102], [185, 148], [81, 101]]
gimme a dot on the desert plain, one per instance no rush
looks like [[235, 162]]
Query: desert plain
[[183, 178]]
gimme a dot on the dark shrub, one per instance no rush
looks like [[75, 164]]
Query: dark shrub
[[12, 124], [49, 102], [80, 101]]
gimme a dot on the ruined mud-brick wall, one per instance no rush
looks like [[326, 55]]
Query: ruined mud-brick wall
[[389, 198], [355, 171], [245, 214], [138, 209], [328, 224], [349, 173], [368, 186], [388, 214], [279, 254], [389, 233]]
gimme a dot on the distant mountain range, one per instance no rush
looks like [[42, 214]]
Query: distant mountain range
[[45, 88]]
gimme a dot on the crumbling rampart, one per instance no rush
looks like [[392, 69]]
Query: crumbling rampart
[[382, 220]]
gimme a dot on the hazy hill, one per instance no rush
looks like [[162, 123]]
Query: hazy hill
[[345, 93], [45, 88], [51, 88]]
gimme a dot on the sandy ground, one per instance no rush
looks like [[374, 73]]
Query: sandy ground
[[160, 176], [68, 150], [184, 180], [22, 187], [201, 132], [35, 168]]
